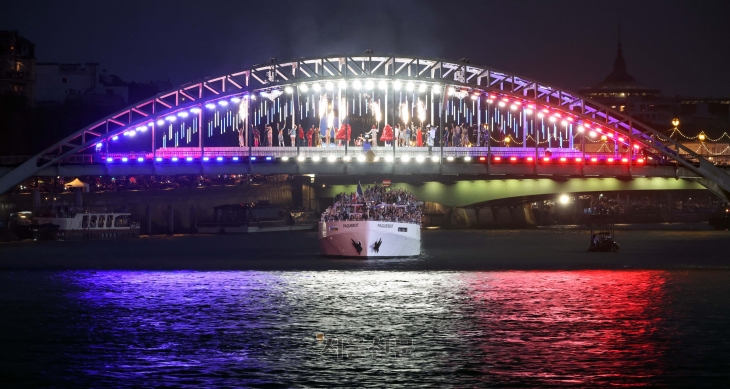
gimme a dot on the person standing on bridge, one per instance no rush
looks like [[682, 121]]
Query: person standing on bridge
[[300, 136], [374, 136], [280, 134], [327, 137], [256, 137], [419, 137], [310, 134], [293, 135], [387, 136], [269, 135], [431, 137]]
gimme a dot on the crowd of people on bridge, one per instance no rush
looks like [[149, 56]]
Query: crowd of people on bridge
[[408, 135], [398, 135], [379, 203]]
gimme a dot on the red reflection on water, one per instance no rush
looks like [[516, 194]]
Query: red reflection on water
[[570, 327]]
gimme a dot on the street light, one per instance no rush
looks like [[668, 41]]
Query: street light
[[702, 138], [564, 199], [675, 123]]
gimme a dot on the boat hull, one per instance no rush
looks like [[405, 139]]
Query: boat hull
[[369, 239], [90, 234]]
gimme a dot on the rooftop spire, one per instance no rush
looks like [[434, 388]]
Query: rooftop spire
[[619, 73]]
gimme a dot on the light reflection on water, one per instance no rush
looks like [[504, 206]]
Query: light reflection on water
[[581, 328]]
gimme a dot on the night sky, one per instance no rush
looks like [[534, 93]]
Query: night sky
[[681, 47]]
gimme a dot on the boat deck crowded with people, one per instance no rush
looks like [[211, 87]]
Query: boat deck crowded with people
[[375, 223]]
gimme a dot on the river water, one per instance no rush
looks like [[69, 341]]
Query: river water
[[503, 308]]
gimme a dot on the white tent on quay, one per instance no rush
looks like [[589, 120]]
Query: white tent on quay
[[77, 184]]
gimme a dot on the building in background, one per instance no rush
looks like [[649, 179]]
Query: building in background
[[59, 82], [17, 66], [620, 91], [708, 115]]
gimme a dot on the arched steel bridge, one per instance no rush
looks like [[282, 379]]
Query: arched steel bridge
[[206, 127]]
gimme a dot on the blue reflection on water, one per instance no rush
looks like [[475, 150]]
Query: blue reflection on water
[[579, 328]]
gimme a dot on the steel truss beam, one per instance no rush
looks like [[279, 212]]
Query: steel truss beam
[[275, 75]]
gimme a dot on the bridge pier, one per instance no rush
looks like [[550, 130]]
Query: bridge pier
[[542, 211], [522, 216], [36, 199], [485, 217], [503, 217], [148, 218], [463, 218], [670, 208], [191, 219], [170, 220]]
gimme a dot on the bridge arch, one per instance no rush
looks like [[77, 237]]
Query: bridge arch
[[245, 97]]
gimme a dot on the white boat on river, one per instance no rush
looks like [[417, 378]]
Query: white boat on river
[[355, 236]]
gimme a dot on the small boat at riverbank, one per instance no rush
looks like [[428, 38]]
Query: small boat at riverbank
[[603, 234], [252, 218], [73, 224]]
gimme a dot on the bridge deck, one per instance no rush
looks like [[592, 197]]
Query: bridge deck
[[497, 161]]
